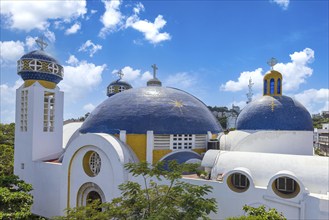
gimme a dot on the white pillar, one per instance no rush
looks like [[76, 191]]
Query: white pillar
[[149, 146], [209, 135], [123, 136]]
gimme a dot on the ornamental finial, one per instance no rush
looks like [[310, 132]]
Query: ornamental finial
[[155, 68], [41, 43], [272, 62], [120, 74]]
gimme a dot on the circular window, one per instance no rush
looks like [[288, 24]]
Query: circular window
[[285, 187], [92, 163], [238, 182]]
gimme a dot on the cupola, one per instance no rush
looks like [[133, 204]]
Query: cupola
[[155, 81], [41, 67], [272, 81], [117, 85]]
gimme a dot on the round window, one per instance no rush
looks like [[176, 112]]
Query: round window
[[92, 163], [238, 182], [285, 187]]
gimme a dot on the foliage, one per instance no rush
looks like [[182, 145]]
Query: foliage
[[223, 122], [259, 213], [15, 200], [175, 200], [6, 159], [318, 121], [7, 134]]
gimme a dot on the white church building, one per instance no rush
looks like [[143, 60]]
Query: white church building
[[267, 161]]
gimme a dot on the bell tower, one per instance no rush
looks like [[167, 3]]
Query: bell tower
[[272, 80], [39, 110]]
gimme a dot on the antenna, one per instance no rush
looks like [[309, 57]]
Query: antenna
[[250, 93]]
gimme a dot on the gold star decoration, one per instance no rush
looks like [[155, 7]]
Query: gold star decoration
[[177, 104]]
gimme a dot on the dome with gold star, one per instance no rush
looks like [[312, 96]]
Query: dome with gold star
[[274, 111], [162, 110]]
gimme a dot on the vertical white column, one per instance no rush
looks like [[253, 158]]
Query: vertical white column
[[123, 136], [209, 135], [149, 146]]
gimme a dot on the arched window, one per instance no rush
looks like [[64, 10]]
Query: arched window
[[272, 86], [265, 87], [92, 196], [238, 182], [285, 187], [279, 86]]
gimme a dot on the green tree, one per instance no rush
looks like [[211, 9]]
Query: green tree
[[6, 159], [7, 134], [175, 200], [259, 213], [15, 199]]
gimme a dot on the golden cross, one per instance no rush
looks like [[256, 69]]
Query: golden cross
[[272, 105]]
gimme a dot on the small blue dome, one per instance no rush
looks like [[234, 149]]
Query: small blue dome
[[39, 55], [162, 110], [38, 65], [275, 113]]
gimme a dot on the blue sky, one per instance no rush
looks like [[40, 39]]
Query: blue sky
[[207, 48]]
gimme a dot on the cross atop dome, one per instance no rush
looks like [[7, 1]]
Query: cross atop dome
[[155, 68], [120, 74], [272, 62], [41, 43]]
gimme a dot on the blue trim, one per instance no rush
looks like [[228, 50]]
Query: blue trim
[[27, 75], [265, 87], [151, 109], [287, 114]]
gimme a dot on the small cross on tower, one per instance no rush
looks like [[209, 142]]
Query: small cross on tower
[[120, 74], [155, 68], [41, 43], [272, 62]]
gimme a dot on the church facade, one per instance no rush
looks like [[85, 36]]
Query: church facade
[[267, 161]]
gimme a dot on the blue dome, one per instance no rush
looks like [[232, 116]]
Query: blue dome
[[40, 55], [38, 65], [162, 110], [275, 113]]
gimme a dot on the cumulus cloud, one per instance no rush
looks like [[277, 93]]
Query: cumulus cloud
[[90, 47], [7, 101], [150, 30], [111, 18], [80, 78], [294, 73], [16, 16], [282, 3], [243, 81], [73, 29], [134, 76], [89, 107], [314, 100], [11, 51]]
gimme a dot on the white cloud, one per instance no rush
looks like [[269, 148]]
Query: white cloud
[[7, 101], [80, 78], [150, 30], [134, 76], [294, 73], [90, 47], [11, 51], [314, 100], [73, 29], [111, 18], [282, 3], [89, 107], [30, 43], [29, 15], [181, 80], [243, 81], [138, 8]]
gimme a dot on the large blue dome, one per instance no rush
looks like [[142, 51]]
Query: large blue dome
[[275, 113], [162, 110]]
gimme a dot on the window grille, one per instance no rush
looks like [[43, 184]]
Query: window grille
[[49, 112], [95, 163], [285, 185], [24, 106]]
